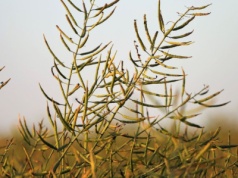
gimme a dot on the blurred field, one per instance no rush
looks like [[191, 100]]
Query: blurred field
[[164, 151]]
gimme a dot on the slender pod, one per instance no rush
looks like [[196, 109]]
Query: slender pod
[[208, 98], [149, 105], [64, 34], [138, 36], [175, 56], [65, 44], [85, 11], [154, 40], [76, 7], [184, 24], [160, 18], [92, 54], [107, 17], [146, 30], [91, 51], [53, 54], [71, 25], [69, 13], [199, 8], [107, 5], [181, 36], [84, 41], [49, 97], [183, 83]]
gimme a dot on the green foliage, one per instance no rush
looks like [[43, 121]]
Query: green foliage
[[91, 135]]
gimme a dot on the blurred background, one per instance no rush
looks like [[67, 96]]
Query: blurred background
[[28, 61]]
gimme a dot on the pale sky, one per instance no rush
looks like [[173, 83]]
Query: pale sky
[[28, 62]]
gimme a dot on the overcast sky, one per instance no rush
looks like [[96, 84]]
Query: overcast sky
[[28, 62]]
